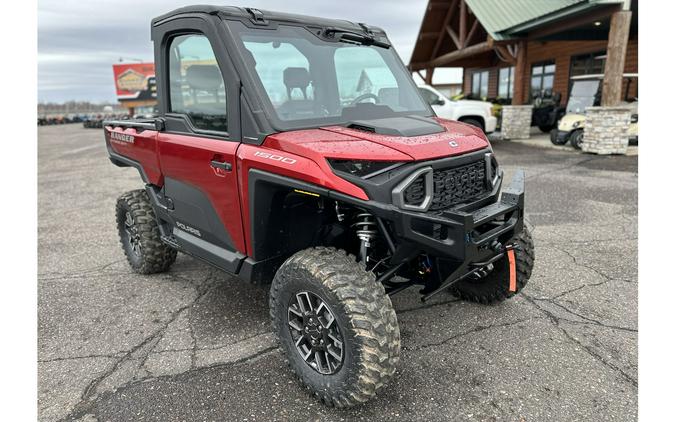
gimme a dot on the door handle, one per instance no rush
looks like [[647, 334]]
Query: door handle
[[223, 165]]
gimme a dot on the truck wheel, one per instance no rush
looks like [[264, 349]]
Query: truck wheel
[[577, 138], [140, 236], [494, 287], [473, 122], [336, 326]]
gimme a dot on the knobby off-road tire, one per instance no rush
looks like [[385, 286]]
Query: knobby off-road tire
[[139, 234], [364, 315], [494, 287]]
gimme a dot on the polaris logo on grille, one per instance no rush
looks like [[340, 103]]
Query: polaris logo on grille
[[453, 144]]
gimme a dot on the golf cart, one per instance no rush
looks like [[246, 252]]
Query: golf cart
[[586, 92]]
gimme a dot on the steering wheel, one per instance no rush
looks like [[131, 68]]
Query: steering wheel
[[365, 97]]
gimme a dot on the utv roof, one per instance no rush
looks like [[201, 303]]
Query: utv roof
[[261, 17]]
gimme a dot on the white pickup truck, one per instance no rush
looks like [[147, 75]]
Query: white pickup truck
[[476, 113]]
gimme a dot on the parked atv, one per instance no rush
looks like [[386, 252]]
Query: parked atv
[[547, 111], [297, 151]]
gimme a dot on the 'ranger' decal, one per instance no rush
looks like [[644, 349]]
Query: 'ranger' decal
[[121, 138]]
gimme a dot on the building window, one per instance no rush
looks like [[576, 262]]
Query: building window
[[542, 80], [588, 64], [479, 84], [505, 89]]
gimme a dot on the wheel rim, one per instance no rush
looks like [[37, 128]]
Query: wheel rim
[[315, 333], [132, 235]]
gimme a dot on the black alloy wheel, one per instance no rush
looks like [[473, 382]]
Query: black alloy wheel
[[315, 332], [132, 235]]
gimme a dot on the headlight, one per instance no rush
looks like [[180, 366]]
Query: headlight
[[634, 118], [362, 168], [576, 124]]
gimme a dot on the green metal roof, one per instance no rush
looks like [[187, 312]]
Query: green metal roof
[[502, 19]]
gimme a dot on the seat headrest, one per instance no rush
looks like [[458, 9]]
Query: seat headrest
[[204, 77], [296, 77], [388, 96]]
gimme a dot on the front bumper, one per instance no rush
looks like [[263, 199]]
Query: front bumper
[[465, 235], [490, 124], [469, 235], [562, 136]]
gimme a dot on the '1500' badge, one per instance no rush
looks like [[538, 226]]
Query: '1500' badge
[[453, 144]]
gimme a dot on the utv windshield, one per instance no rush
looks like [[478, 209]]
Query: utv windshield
[[310, 81], [584, 94]]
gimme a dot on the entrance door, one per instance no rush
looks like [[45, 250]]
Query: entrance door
[[197, 155]]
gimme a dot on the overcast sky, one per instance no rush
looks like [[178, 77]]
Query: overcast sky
[[78, 41]]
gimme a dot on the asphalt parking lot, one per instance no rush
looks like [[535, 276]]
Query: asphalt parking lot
[[195, 343]]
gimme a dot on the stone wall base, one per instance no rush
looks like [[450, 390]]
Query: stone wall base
[[516, 121], [606, 130]]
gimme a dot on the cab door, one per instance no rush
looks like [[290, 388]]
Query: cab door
[[197, 148]]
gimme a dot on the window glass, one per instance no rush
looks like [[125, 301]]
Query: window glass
[[541, 82], [505, 89], [196, 83], [429, 96], [310, 80], [274, 74], [588, 64], [475, 84], [479, 85], [363, 72]]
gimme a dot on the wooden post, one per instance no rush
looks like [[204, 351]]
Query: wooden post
[[616, 58], [428, 75], [462, 23], [519, 75]]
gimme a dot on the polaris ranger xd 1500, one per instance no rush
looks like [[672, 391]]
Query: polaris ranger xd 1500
[[298, 151]]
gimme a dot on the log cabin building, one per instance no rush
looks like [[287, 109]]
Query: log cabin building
[[516, 50]]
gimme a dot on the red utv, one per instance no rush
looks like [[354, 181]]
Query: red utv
[[298, 151]]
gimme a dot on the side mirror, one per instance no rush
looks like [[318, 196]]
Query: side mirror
[[439, 102]]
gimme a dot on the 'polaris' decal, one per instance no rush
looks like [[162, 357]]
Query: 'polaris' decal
[[275, 157], [121, 138], [188, 229]]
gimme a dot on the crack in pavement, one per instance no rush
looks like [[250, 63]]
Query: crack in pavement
[[51, 276], [591, 268], [585, 242], [591, 320], [476, 329], [89, 392], [556, 322], [93, 356], [561, 168], [426, 306], [84, 408]]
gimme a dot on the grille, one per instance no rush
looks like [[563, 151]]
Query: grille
[[451, 186]]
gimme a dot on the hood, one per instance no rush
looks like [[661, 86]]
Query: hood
[[477, 103], [359, 143], [571, 121]]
